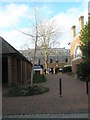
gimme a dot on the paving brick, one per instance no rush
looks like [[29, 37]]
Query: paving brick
[[74, 98]]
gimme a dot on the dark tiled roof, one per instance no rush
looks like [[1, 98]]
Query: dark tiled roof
[[52, 52], [6, 48]]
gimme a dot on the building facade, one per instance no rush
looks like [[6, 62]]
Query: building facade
[[76, 53], [57, 59], [16, 69]]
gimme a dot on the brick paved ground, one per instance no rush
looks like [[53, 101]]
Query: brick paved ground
[[73, 100]]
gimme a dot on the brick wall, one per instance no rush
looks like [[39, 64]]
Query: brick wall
[[74, 63], [75, 41]]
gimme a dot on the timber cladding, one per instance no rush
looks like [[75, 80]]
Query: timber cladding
[[15, 66]]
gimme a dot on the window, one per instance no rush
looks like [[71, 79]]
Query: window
[[66, 60], [77, 52], [51, 60]]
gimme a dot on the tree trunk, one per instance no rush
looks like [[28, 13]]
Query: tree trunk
[[32, 73], [46, 66], [35, 45]]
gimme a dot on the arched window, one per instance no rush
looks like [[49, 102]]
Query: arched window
[[77, 52]]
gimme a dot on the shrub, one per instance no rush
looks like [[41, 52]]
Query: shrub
[[83, 70], [39, 78], [67, 69], [25, 91]]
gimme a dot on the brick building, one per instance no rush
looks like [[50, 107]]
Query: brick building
[[57, 59], [16, 69], [76, 53]]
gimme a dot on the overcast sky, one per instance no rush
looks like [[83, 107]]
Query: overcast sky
[[20, 15]]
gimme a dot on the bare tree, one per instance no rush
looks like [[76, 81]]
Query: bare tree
[[34, 37], [44, 34], [48, 39]]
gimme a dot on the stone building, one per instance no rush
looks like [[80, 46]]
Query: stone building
[[57, 59], [76, 53], [16, 69]]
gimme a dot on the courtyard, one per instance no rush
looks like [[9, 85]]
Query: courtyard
[[74, 98]]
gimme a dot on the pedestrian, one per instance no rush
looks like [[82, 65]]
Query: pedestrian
[[45, 71]]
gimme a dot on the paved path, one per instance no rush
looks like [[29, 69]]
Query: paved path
[[73, 100]]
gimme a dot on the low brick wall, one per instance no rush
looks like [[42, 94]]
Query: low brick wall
[[74, 63]]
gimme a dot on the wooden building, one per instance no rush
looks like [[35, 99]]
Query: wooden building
[[16, 69]]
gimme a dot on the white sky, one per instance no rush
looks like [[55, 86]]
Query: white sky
[[14, 14]]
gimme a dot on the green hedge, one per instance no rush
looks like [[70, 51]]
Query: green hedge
[[39, 78], [83, 70], [67, 69], [25, 91]]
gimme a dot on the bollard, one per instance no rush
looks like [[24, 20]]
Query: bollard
[[87, 85], [60, 86]]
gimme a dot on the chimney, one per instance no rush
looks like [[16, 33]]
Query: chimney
[[73, 31], [81, 22]]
